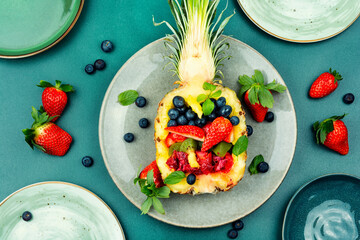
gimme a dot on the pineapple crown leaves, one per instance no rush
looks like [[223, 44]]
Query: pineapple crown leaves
[[258, 91], [40, 118], [337, 75], [58, 85], [203, 12], [325, 127]]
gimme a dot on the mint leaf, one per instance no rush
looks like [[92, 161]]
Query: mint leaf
[[208, 86], [245, 80], [258, 77], [215, 94], [265, 97], [128, 97], [163, 192], [145, 207], [174, 177], [253, 166], [208, 106], [240, 145], [157, 205], [201, 98]]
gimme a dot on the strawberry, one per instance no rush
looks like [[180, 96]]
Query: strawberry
[[258, 97], [188, 131], [54, 98], [157, 175], [333, 133], [325, 84], [230, 137], [206, 128], [47, 136], [173, 138], [219, 129]]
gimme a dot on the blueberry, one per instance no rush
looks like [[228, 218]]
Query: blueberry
[[225, 111], [263, 167], [190, 114], [178, 102], [100, 64], [129, 137], [214, 101], [144, 123], [89, 69], [182, 110], [173, 113], [200, 122], [269, 116], [211, 117], [172, 123], [220, 102], [238, 225], [87, 161], [191, 178], [182, 120], [234, 120], [27, 216], [249, 130], [191, 123], [232, 234], [140, 102], [107, 46], [348, 98]]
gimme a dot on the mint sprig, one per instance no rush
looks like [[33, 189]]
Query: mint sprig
[[240, 145], [255, 162], [127, 97], [174, 177], [208, 106]]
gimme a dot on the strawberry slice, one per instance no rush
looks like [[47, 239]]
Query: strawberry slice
[[188, 131], [219, 129], [173, 138], [157, 175], [206, 128], [230, 137]]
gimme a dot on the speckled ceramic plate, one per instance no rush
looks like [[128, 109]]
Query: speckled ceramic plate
[[59, 211], [303, 20], [145, 72], [326, 208], [31, 27]]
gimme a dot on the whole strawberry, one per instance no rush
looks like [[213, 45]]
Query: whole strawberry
[[157, 175], [47, 136], [54, 98], [258, 97], [333, 133], [219, 129], [325, 84]]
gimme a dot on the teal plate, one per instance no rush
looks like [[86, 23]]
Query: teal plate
[[304, 20], [30, 27], [327, 208], [59, 211]]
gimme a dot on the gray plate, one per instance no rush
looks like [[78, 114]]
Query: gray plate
[[145, 72]]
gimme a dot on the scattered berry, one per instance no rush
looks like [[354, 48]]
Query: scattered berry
[[249, 130], [27, 216], [182, 120], [348, 98], [129, 137], [87, 161], [191, 178], [263, 167], [172, 123], [234, 120], [232, 234], [140, 102], [107, 46], [238, 225], [325, 84], [173, 113], [190, 114], [220, 102], [269, 116], [99, 64], [191, 123], [144, 123], [178, 102], [89, 69], [225, 111]]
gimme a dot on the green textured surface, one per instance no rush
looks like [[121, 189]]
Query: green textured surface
[[129, 25]]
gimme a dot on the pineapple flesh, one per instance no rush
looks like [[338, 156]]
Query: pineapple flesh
[[197, 52]]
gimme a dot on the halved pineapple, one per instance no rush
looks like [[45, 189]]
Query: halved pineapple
[[196, 55]]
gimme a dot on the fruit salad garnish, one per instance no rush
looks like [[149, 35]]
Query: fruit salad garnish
[[258, 165], [325, 84], [128, 97]]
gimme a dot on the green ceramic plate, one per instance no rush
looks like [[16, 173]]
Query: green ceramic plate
[[327, 208], [303, 20], [145, 72], [30, 27], [60, 211]]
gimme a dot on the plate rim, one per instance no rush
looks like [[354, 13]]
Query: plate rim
[[69, 184], [303, 186], [100, 133], [56, 41], [294, 40]]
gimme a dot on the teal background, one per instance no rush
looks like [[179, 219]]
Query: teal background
[[129, 25]]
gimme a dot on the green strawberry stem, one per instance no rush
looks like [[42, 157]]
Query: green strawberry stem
[[58, 85], [325, 127], [337, 75]]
